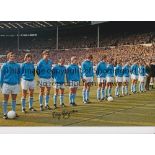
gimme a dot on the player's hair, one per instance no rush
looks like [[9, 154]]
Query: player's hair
[[111, 59], [27, 55], [60, 58], [115, 63], [119, 61], [72, 58], [89, 56], [9, 54], [103, 57], [45, 52], [144, 62]]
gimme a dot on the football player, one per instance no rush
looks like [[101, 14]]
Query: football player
[[73, 79], [27, 81], [10, 80], [109, 77], [58, 75], [101, 71], [134, 76], [126, 79], [142, 75], [87, 75], [119, 78], [44, 71]]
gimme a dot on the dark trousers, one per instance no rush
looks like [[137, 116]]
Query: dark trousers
[[147, 82]]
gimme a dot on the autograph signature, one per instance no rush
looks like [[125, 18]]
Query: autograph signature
[[64, 114]]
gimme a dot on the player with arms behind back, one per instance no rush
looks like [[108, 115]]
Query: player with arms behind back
[[142, 76], [101, 72], [126, 78], [27, 81], [134, 76], [10, 80], [109, 77], [73, 79], [58, 75], [44, 71], [119, 78], [87, 74]]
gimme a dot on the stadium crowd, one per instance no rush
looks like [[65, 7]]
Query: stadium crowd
[[126, 53]]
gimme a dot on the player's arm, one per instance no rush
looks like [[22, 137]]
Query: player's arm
[[53, 72], [131, 69], [123, 70], [38, 69], [52, 66], [145, 71], [105, 71], [79, 74], [139, 70], [19, 73], [82, 71], [22, 69], [116, 71], [2, 72], [65, 71], [93, 69]]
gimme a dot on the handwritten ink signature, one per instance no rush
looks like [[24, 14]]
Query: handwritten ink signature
[[64, 114]]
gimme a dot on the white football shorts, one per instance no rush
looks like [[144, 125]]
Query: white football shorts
[[141, 78], [88, 79], [45, 82], [110, 79], [73, 84], [10, 89], [101, 80], [134, 77], [126, 79], [27, 84], [59, 86], [119, 79]]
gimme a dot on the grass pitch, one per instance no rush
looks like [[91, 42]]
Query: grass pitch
[[134, 110]]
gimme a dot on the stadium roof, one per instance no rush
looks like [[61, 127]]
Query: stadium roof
[[13, 25]]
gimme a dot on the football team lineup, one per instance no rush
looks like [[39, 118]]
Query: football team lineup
[[118, 96], [137, 109]]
